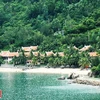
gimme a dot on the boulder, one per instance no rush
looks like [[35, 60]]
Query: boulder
[[87, 82], [62, 67], [61, 78], [75, 76], [72, 76], [90, 74], [67, 66]]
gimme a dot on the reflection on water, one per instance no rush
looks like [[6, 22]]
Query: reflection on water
[[28, 86]]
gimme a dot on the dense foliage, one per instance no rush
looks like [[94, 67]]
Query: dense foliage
[[51, 24], [96, 71], [96, 66]]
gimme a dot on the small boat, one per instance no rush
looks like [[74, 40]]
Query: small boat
[[61, 78]]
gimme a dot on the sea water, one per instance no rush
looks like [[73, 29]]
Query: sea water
[[29, 86]]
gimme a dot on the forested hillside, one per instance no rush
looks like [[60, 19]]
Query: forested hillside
[[51, 24]]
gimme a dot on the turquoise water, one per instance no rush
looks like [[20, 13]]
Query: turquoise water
[[28, 86]]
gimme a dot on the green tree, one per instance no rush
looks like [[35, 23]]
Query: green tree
[[84, 62], [51, 61], [96, 71], [1, 61], [34, 60], [64, 60], [31, 54], [20, 60], [57, 62]]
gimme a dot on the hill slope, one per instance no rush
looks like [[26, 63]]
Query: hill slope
[[51, 24]]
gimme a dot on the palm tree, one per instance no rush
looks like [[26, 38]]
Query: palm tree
[[64, 60], [98, 52], [22, 58], [34, 61], [57, 62], [51, 61], [84, 62], [31, 54]]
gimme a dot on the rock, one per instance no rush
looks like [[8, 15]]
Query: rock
[[72, 76], [87, 82], [61, 78], [67, 66], [62, 67], [75, 76], [48, 66], [90, 74]]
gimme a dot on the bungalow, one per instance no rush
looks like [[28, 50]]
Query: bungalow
[[49, 53], [36, 53], [75, 48], [85, 48], [93, 54], [27, 54], [7, 55], [34, 47], [61, 54], [28, 49]]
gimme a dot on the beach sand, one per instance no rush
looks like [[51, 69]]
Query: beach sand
[[47, 70]]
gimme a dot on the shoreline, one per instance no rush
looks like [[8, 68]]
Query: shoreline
[[47, 70], [82, 79]]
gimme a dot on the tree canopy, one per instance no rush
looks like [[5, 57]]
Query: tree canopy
[[51, 24]]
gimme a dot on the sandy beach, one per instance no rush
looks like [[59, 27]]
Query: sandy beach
[[47, 70], [58, 71]]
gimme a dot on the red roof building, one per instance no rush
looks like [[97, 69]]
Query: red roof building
[[7, 55], [93, 54], [28, 49]]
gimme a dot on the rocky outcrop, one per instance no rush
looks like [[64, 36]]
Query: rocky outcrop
[[72, 76], [87, 82], [86, 79]]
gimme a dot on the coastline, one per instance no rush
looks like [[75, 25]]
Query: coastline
[[83, 74], [47, 70]]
